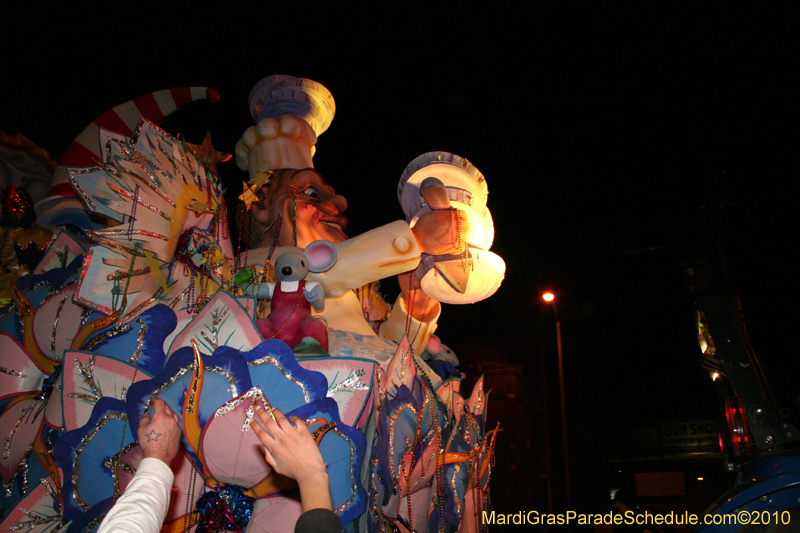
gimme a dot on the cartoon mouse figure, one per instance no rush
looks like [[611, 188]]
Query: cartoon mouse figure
[[290, 317]]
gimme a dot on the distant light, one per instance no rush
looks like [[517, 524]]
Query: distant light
[[548, 296], [700, 478], [714, 376]]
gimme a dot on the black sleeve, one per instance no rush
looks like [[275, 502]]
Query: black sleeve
[[318, 521]]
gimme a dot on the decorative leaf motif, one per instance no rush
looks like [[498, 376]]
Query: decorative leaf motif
[[62, 251], [350, 383], [83, 455], [20, 424], [273, 368], [139, 342], [90, 376], [222, 322], [18, 373], [37, 512], [56, 322]]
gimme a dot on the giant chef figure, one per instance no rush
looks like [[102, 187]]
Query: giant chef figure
[[294, 205]]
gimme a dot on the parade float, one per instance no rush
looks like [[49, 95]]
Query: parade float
[[154, 297]]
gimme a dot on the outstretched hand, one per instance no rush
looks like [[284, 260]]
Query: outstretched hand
[[160, 434], [442, 231], [292, 452]]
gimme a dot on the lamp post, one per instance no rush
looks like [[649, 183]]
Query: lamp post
[[550, 298]]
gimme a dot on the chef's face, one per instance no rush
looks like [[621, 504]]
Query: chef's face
[[319, 208]]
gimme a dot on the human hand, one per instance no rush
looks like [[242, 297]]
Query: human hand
[[160, 434], [290, 450], [439, 232]]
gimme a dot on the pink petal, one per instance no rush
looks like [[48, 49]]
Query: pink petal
[[229, 453], [420, 506], [53, 413], [352, 392], [275, 515], [56, 323], [18, 373], [110, 377], [471, 509], [401, 370], [64, 243], [39, 504], [233, 326], [21, 422], [477, 401]]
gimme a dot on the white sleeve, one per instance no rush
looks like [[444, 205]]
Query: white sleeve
[[143, 506]]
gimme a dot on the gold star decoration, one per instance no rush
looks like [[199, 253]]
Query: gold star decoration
[[250, 190], [208, 154]]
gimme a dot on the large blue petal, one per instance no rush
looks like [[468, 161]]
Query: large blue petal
[[286, 384], [342, 449], [150, 329], [226, 377], [86, 450]]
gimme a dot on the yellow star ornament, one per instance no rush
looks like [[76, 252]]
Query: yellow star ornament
[[208, 154]]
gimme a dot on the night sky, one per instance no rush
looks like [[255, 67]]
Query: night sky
[[619, 143]]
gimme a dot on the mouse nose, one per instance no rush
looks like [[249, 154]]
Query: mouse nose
[[286, 271]]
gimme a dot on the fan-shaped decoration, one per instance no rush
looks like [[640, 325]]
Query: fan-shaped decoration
[[84, 455], [90, 376], [349, 383], [38, 512], [225, 377], [61, 252], [222, 322], [139, 341], [165, 202], [288, 384], [20, 424], [18, 373]]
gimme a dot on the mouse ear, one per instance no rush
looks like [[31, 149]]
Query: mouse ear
[[321, 256]]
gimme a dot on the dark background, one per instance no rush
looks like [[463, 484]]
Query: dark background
[[620, 142]]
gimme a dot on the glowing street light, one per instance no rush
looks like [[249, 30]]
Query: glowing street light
[[550, 298]]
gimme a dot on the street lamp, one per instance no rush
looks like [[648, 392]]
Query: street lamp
[[550, 298]]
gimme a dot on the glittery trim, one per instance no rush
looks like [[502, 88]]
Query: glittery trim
[[125, 232], [172, 160], [55, 323], [392, 419], [185, 370], [137, 310], [456, 499], [125, 274], [253, 395], [87, 373], [274, 362], [139, 340], [129, 196], [37, 519], [353, 486], [75, 185], [217, 317], [131, 155], [84, 442], [15, 373], [35, 409], [119, 328], [115, 462], [351, 383], [22, 471]]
